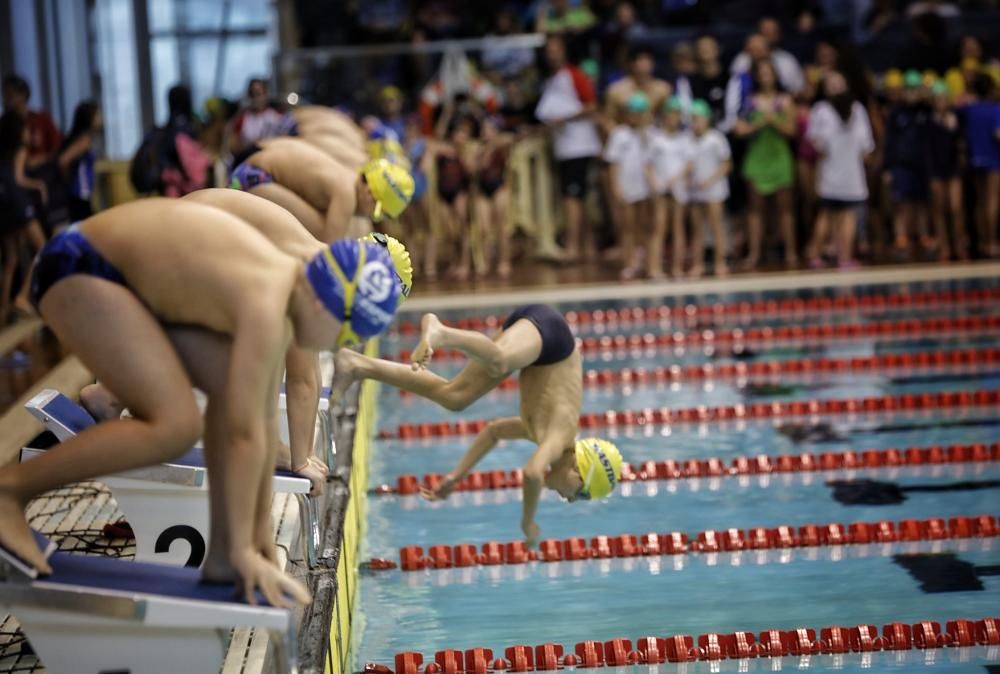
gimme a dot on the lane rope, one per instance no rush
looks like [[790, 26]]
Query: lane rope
[[413, 557], [713, 646], [761, 464]]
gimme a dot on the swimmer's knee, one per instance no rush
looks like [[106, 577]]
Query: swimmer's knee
[[455, 400], [176, 431]]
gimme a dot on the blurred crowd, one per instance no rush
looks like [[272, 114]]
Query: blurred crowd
[[673, 153]]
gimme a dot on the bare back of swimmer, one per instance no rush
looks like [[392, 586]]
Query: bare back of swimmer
[[537, 342]]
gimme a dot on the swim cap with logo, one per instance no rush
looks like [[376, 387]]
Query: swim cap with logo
[[600, 465], [391, 187], [356, 282], [400, 261]]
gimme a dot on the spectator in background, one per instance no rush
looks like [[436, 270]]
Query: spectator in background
[[970, 64], [765, 44], [768, 168], [626, 155], [712, 83], [517, 111], [77, 158], [493, 199], [184, 164], [562, 16], [981, 119], [670, 153], [44, 138], [504, 62], [709, 188], [17, 211], [618, 36], [684, 68], [567, 107], [218, 113], [641, 78], [454, 170], [842, 135], [390, 100], [415, 220], [260, 118], [945, 176], [906, 156]]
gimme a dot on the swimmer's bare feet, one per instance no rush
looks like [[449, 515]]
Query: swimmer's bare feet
[[430, 329], [696, 272], [503, 270], [15, 534], [344, 373], [217, 568]]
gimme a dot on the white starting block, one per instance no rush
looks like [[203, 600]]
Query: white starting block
[[98, 615], [167, 502]]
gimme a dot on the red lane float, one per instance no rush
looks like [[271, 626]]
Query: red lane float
[[758, 309], [407, 485], [811, 333], [704, 414], [909, 362], [651, 650], [412, 558]]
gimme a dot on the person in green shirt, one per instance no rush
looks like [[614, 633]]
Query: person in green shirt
[[558, 16], [768, 166]]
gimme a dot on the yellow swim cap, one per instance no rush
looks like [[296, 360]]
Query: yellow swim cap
[[600, 466], [893, 79], [390, 185], [400, 259]]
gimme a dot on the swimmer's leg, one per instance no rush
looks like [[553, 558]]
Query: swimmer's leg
[[123, 344], [514, 348], [468, 386], [310, 218]]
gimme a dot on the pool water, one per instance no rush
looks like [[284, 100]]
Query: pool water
[[568, 602]]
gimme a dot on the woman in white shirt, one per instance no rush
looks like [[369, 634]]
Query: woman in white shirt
[[840, 131]]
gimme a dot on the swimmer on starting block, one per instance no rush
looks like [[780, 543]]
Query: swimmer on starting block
[[535, 340], [302, 381], [322, 193], [107, 285]]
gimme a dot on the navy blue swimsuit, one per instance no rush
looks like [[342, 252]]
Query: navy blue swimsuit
[[558, 343], [66, 254]]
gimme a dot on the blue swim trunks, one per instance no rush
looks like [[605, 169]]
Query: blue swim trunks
[[68, 253], [246, 176], [558, 342]]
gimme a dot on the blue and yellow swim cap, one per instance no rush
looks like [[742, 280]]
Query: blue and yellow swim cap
[[356, 282], [600, 465]]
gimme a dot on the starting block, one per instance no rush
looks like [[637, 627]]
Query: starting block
[[168, 502], [98, 615]]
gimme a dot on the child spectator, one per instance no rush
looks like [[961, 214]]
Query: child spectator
[[670, 153], [493, 199], [945, 176], [415, 220], [260, 118], [906, 161], [709, 187], [982, 138], [842, 135], [453, 171], [17, 210], [626, 155], [768, 167], [77, 159]]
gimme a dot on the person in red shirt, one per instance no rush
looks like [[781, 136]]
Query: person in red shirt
[[44, 138]]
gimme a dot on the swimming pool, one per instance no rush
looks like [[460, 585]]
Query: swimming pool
[[749, 395]]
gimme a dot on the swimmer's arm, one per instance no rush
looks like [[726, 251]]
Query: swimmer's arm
[[548, 452], [507, 428], [302, 384], [260, 340]]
